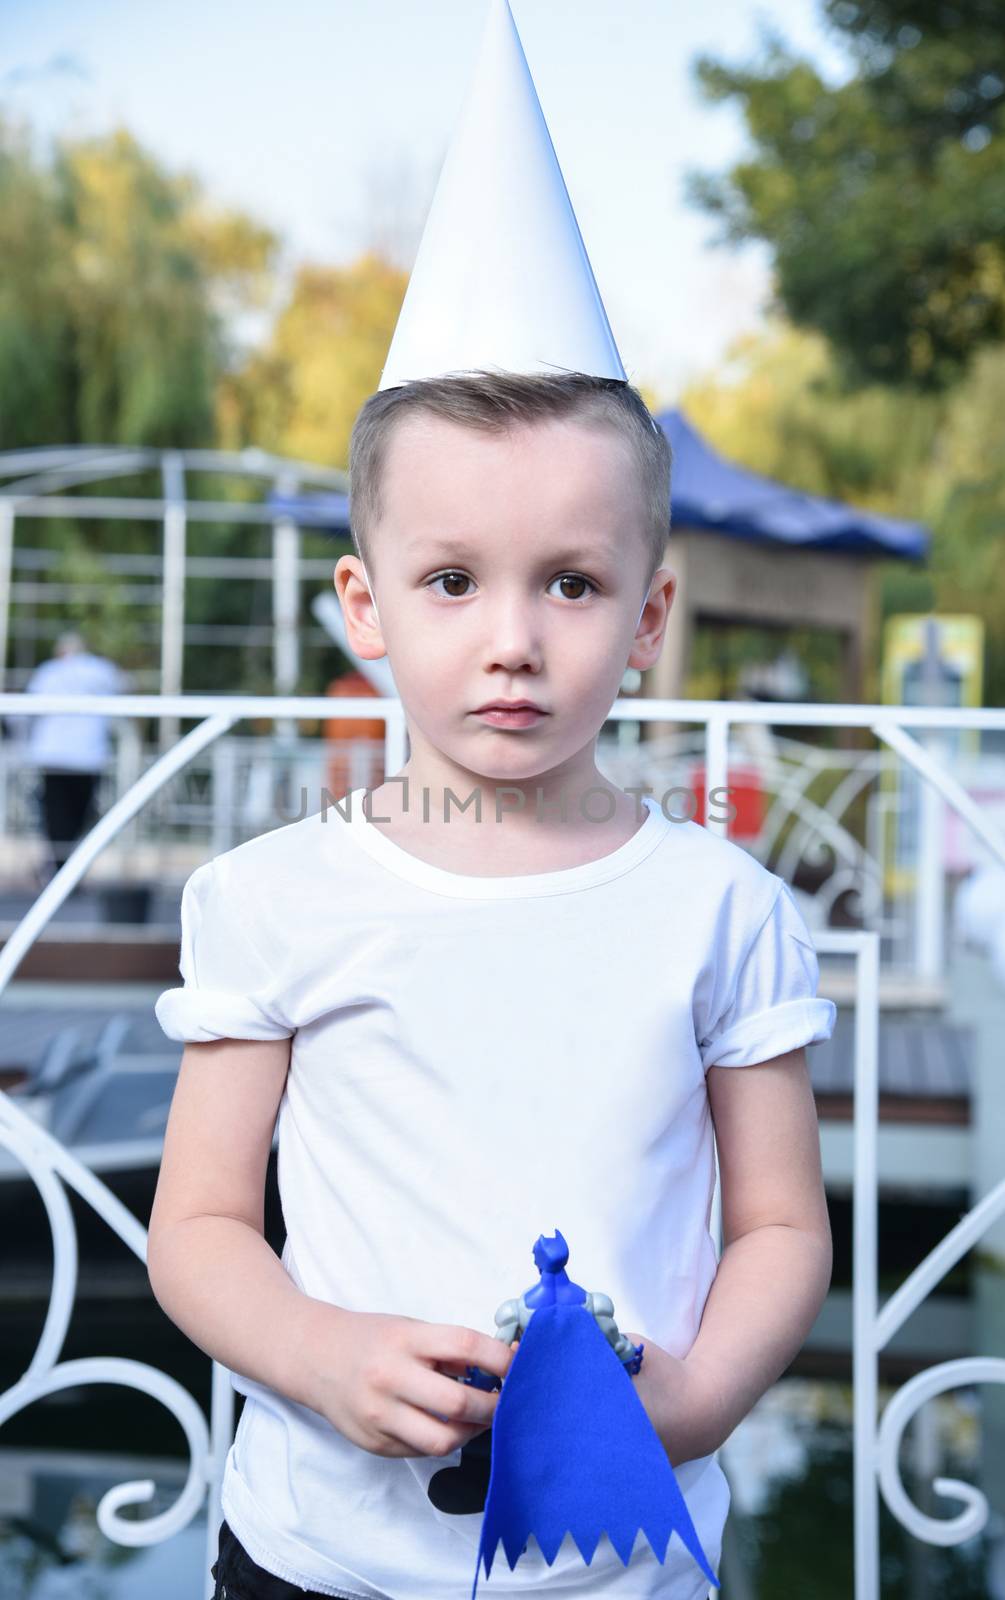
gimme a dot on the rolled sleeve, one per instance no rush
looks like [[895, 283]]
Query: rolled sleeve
[[773, 1006], [230, 987]]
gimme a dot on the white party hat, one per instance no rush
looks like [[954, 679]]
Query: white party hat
[[502, 280]]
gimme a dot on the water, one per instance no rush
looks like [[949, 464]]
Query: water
[[791, 1529]]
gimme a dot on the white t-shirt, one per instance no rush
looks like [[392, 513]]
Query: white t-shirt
[[477, 1061]]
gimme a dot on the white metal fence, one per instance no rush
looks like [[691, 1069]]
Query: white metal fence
[[842, 819], [876, 1439]]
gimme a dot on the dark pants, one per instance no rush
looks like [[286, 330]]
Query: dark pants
[[67, 800], [240, 1578]]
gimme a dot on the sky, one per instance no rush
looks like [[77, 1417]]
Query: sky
[[329, 119]]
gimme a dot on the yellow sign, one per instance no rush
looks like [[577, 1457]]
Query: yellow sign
[[928, 660]]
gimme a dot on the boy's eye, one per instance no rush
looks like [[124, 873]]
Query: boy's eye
[[453, 576], [450, 577], [574, 578]]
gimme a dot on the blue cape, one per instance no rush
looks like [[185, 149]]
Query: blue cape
[[573, 1450]]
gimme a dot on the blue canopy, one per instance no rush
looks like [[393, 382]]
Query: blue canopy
[[327, 511], [708, 492]]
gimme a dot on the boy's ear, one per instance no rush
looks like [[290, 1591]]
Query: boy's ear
[[358, 609], [650, 633]]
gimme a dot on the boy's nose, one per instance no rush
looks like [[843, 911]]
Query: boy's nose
[[516, 655], [513, 632]]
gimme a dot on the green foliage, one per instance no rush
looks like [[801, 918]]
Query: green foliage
[[299, 394], [35, 327], [96, 607], [112, 300], [779, 407], [882, 198]]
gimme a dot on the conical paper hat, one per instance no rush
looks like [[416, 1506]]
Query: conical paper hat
[[502, 279]]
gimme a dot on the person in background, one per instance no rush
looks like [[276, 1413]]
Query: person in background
[[70, 749]]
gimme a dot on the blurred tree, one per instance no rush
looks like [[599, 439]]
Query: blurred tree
[[35, 326], [778, 406], [97, 607], [120, 288], [117, 281], [882, 198], [300, 393]]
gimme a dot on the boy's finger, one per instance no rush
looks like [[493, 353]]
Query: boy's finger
[[464, 1369], [459, 1347], [418, 1432], [452, 1401], [454, 1369]]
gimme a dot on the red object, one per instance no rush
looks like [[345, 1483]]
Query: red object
[[745, 794], [342, 731]]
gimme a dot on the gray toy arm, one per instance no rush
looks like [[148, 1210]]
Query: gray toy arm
[[601, 1308], [513, 1316], [508, 1321]]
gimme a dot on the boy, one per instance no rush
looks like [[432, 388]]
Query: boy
[[498, 1027], [495, 997]]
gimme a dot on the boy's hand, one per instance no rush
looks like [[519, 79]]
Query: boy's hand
[[681, 1403], [390, 1383]]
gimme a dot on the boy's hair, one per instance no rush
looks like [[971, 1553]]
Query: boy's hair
[[493, 402]]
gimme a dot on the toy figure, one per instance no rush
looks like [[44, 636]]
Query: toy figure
[[556, 1287], [571, 1449]]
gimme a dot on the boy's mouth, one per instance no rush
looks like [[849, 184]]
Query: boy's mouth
[[512, 714], [509, 705]]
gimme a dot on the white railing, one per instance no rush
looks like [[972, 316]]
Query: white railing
[[806, 797], [52, 1167], [838, 812]]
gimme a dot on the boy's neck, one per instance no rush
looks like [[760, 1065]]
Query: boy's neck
[[496, 836]]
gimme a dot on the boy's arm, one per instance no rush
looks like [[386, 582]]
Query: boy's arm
[[387, 1383], [210, 1266], [775, 1267]]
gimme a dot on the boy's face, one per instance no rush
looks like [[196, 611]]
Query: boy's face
[[507, 566]]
